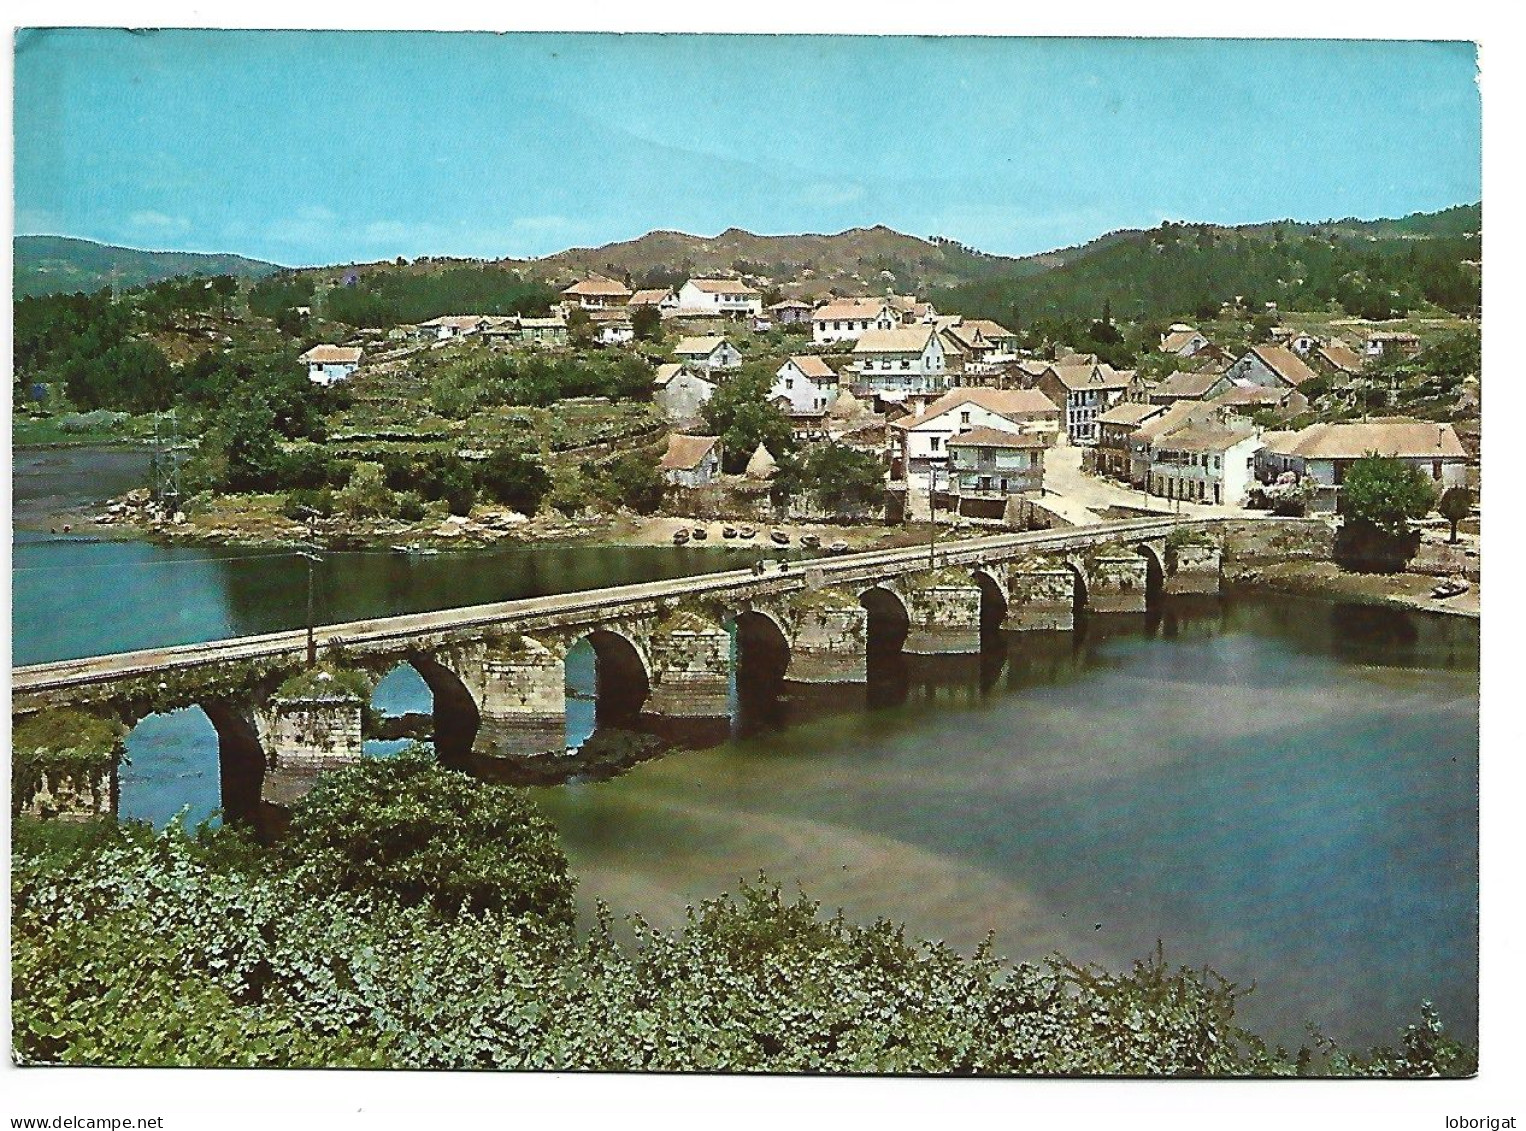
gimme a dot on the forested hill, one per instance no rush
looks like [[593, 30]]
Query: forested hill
[[1372, 268], [854, 261], [49, 265]]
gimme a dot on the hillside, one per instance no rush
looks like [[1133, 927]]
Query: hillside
[[854, 261], [1373, 268], [47, 265]]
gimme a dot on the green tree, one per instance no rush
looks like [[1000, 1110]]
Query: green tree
[[836, 479], [1455, 505], [580, 328], [514, 479], [742, 416], [632, 480], [646, 324], [1385, 492], [366, 495]]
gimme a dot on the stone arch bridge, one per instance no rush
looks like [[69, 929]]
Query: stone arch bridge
[[664, 649]]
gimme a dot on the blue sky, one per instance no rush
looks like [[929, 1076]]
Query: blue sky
[[320, 147]]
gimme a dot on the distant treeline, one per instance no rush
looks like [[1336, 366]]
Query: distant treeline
[[1177, 270], [393, 297]]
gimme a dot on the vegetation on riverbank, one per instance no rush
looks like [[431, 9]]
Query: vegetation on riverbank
[[456, 949]]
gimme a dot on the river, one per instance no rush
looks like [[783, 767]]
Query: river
[[1282, 789]]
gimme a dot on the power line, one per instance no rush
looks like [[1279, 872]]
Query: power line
[[135, 565]]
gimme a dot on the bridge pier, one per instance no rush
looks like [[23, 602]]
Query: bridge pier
[[1193, 566], [943, 611], [314, 722], [830, 640], [1117, 584], [690, 657], [64, 765], [1040, 599], [520, 687]]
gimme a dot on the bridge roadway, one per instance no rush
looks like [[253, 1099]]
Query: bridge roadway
[[529, 614]]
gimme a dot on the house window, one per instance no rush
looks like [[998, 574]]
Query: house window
[[789, 382], [964, 418], [1435, 469], [934, 442]]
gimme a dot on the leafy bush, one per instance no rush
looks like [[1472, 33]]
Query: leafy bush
[[408, 829]]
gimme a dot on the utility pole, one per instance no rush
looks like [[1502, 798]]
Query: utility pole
[[310, 553]]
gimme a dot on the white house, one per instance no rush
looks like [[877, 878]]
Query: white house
[[1182, 340], [596, 293], [1270, 366], [719, 297], [665, 299], [691, 461], [987, 465], [680, 392], [1204, 463], [328, 365], [847, 320], [616, 331], [790, 311], [1380, 342], [1325, 453], [454, 326], [709, 354], [808, 383], [896, 363], [923, 439]]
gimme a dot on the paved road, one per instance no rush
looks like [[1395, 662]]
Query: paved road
[[573, 609], [1065, 479]]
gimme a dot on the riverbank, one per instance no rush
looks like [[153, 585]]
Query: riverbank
[[1327, 579]]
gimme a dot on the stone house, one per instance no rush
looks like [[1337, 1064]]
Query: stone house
[[709, 353], [328, 365], [449, 326], [1189, 385], [679, 392], [1384, 343], [665, 299], [1270, 366], [1140, 442], [1337, 360], [1183, 340], [790, 312], [691, 461], [1245, 401], [1084, 392]]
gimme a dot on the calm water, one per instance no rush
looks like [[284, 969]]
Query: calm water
[[1283, 790]]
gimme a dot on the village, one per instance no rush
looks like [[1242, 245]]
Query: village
[[966, 428]]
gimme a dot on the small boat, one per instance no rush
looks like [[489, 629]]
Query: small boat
[[415, 551], [728, 532], [838, 548], [747, 533], [778, 538], [700, 534], [810, 541], [680, 537], [1451, 587]]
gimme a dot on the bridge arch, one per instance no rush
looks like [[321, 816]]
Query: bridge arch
[[241, 759], [456, 715], [889, 618], [1155, 571], [214, 774], [609, 668], [993, 599], [1083, 585]]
